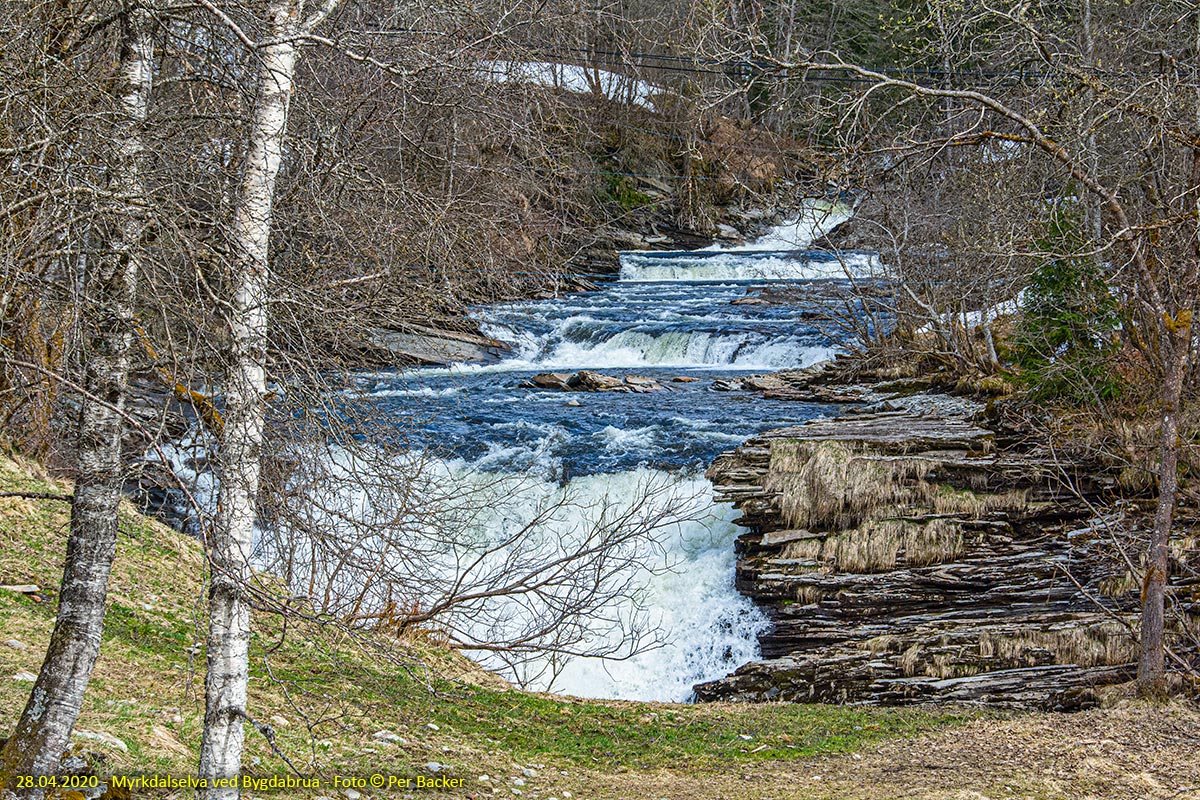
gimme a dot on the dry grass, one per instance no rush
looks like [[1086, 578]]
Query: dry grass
[[832, 485], [1131, 752], [1103, 644], [879, 546]]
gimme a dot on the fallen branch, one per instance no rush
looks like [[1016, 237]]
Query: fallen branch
[[66, 498]]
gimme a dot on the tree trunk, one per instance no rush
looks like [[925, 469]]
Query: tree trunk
[[1151, 680], [245, 397], [110, 289]]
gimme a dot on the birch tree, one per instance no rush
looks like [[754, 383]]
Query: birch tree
[[245, 396], [110, 290]]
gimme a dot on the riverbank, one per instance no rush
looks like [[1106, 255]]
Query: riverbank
[[355, 702], [919, 548], [368, 703]]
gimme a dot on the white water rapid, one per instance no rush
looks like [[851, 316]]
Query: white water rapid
[[669, 316]]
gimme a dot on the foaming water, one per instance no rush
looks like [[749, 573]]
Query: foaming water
[[729, 265], [709, 630], [815, 218], [496, 455], [672, 317]]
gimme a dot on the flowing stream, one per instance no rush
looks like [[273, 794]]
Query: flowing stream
[[669, 315], [508, 452]]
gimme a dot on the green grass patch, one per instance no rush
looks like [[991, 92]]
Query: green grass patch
[[326, 692]]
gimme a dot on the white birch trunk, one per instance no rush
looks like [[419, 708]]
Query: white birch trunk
[[109, 293], [245, 397]]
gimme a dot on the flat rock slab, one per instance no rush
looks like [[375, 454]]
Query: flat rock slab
[[430, 346]]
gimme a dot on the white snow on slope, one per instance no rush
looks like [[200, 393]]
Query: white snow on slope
[[573, 78]]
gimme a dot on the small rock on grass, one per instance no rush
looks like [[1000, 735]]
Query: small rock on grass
[[13, 644], [28, 677], [100, 736]]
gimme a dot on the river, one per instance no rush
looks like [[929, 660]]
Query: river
[[669, 315], [462, 480]]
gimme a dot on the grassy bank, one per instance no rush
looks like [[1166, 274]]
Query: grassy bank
[[359, 704]]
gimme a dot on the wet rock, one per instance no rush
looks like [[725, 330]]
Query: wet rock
[[549, 380], [641, 383], [733, 385], [763, 383], [590, 381], [684, 379]]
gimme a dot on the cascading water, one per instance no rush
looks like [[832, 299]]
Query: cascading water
[[668, 315]]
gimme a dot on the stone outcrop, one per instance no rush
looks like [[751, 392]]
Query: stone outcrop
[[589, 381], [421, 345], [905, 554]]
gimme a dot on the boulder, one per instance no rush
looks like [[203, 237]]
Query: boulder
[[763, 383], [750, 300], [421, 345], [641, 383], [588, 381], [549, 380]]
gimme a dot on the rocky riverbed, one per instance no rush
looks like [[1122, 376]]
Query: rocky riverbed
[[911, 550]]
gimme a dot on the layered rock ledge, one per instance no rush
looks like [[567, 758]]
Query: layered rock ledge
[[904, 554]]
